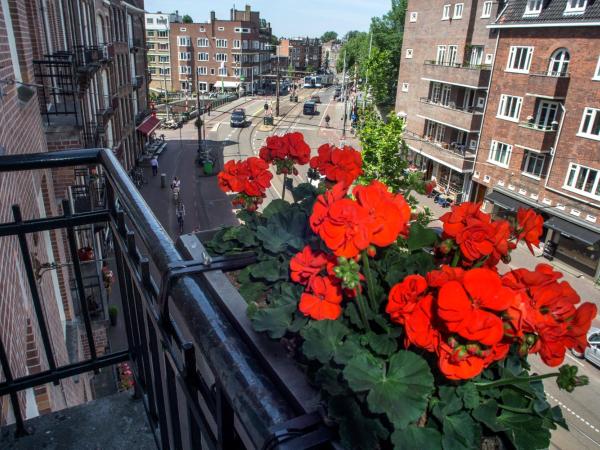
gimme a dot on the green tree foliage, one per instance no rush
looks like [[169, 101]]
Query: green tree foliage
[[356, 50], [378, 68], [382, 150], [329, 36], [187, 19]]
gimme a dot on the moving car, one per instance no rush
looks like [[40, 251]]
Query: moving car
[[238, 118], [310, 109], [338, 93], [592, 351], [315, 98]]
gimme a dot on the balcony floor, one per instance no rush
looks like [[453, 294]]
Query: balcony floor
[[114, 422]]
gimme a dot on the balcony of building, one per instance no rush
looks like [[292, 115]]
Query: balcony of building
[[538, 131], [202, 377], [548, 85], [475, 76]]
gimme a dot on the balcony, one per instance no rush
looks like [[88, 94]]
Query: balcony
[[548, 86], [464, 119], [536, 137], [205, 379], [456, 157], [472, 76]]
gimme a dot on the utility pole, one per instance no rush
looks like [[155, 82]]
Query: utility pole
[[277, 86], [367, 75], [345, 96], [199, 122]]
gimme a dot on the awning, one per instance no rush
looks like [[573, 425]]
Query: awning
[[148, 125], [228, 84], [572, 230], [504, 201]]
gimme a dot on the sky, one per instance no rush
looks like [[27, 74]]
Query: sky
[[288, 18]]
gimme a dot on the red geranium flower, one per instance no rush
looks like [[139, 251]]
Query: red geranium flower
[[530, 227], [275, 148], [338, 165], [298, 149], [390, 213], [457, 363], [307, 264], [322, 299], [250, 176], [323, 203], [404, 296], [438, 278], [419, 328]]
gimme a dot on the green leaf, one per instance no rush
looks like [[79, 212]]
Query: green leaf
[[276, 206], [356, 431], [525, 430], [270, 270], [460, 432], [416, 438], [401, 391], [420, 237], [304, 191], [469, 394], [487, 413], [241, 234], [276, 238], [449, 403], [382, 344], [348, 350], [351, 312], [252, 291], [329, 379], [297, 324], [322, 339], [274, 320]]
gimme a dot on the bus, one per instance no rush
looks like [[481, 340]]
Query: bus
[[309, 82], [323, 80]]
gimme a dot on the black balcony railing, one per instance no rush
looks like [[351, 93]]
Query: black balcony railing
[[464, 65], [449, 105], [203, 380]]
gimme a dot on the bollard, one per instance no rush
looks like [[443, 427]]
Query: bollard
[[163, 180]]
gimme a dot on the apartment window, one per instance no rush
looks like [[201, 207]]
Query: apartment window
[[245, 44], [222, 57], [202, 71], [500, 153], [151, 45], [202, 56], [487, 10], [164, 59], [446, 12], [441, 54], [163, 46], [237, 43], [149, 33], [404, 87], [212, 71], [533, 8], [256, 45], [236, 72], [458, 10], [149, 20], [435, 92], [236, 57], [202, 29], [184, 41], [575, 6], [185, 56], [546, 115], [183, 29], [519, 59], [476, 55], [583, 180], [152, 70], [221, 28], [221, 43], [163, 34], [559, 63], [597, 73], [533, 163], [509, 107], [452, 54], [445, 94], [223, 71], [202, 42], [151, 58], [202, 86], [164, 71], [185, 70], [413, 16], [590, 124], [409, 53]]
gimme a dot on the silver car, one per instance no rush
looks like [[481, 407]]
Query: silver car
[[592, 351]]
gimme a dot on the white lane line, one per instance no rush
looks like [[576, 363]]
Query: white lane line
[[575, 359], [572, 412], [216, 126]]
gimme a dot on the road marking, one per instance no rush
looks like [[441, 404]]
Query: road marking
[[575, 359], [216, 126], [566, 408]]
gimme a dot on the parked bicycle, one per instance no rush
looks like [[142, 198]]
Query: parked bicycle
[[137, 176]]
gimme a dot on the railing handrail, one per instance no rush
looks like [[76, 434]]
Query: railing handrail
[[464, 65], [535, 126], [549, 74], [451, 105]]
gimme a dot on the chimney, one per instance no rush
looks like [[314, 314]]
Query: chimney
[[232, 14], [212, 16], [247, 15]]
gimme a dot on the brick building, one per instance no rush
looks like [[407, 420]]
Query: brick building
[[303, 53], [442, 86], [330, 53], [220, 54], [540, 145], [159, 52]]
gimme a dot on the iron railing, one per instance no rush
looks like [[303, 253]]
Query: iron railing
[[205, 380]]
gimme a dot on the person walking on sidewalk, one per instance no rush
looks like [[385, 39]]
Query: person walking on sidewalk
[[154, 164], [327, 119], [180, 213], [107, 277]]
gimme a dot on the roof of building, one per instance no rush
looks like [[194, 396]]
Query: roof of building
[[553, 12]]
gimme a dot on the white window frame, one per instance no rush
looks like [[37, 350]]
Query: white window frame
[[405, 87], [183, 41], [185, 70], [164, 59], [413, 16], [202, 42], [221, 43], [443, 51], [533, 8], [459, 8], [202, 86], [492, 157], [202, 70], [487, 10], [576, 169], [409, 53], [529, 155], [446, 9], [161, 34], [237, 44], [221, 28], [452, 54], [594, 116], [596, 76], [203, 56], [185, 56], [221, 57], [506, 104], [222, 72], [512, 59], [575, 6]]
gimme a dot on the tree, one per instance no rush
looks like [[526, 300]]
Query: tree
[[378, 68], [356, 49], [329, 36], [187, 19]]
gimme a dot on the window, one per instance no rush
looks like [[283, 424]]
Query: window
[[487, 10], [500, 153], [149, 20], [163, 34], [236, 72], [221, 43], [221, 28], [164, 59], [404, 87], [519, 59], [446, 12], [441, 54], [184, 41], [202, 56], [458, 10], [185, 56], [221, 57], [164, 71], [533, 164], [413, 16], [223, 71], [149, 33], [151, 45], [510, 107], [546, 115], [590, 124], [151, 58], [409, 53], [236, 57], [597, 73], [212, 71], [183, 29], [559, 63], [237, 43], [476, 55], [185, 70], [256, 45], [202, 86], [152, 70], [533, 8], [452, 54], [245, 44], [163, 46], [202, 70], [575, 6], [583, 180], [445, 94], [202, 42], [201, 29]]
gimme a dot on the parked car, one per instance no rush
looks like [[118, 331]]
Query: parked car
[[238, 118], [337, 94], [592, 351], [315, 98], [310, 108]]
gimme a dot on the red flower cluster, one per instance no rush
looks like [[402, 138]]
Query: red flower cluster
[[476, 235], [471, 318], [285, 151], [530, 227], [550, 321], [250, 178], [349, 226], [338, 165]]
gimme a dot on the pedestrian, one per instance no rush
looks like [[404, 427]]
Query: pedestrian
[[208, 109], [180, 213], [154, 164], [107, 277], [327, 119]]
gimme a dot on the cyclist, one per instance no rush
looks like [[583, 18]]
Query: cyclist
[[327, 119], [176, 188], [180, 213]]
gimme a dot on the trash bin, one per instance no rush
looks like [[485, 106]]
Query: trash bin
[[208, 168], [268, 120]]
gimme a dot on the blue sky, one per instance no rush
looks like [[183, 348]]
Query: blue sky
[[288, 18]]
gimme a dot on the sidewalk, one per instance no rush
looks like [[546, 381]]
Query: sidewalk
[[521, 257]]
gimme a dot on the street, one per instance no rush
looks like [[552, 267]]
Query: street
[[207, 207]]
